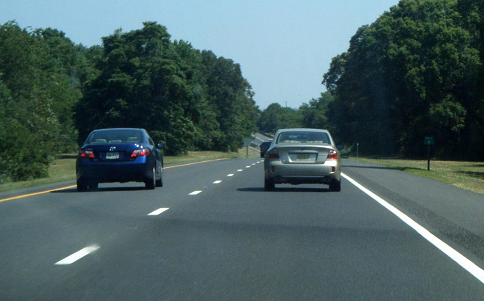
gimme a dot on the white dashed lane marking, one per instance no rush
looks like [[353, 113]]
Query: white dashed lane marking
[[78, 255], [158, 211], [90, 249], [216, 182]]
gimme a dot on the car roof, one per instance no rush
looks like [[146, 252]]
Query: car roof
[[303, 130], [119, 129]]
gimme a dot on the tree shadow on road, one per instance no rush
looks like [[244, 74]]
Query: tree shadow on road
[[382, 167], [284, 189]]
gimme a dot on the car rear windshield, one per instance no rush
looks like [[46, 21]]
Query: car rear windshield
[[303, 138], [114, 136]]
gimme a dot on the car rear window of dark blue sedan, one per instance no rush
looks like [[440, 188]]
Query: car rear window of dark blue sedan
[[115, 136]]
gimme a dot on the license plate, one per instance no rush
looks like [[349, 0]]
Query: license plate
[[112, 156], [303, 156]]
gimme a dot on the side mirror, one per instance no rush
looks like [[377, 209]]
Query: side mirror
[[340, 147], [160, 145]]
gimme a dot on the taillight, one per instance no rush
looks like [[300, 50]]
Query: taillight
[[274, 154], [140, 152], [333, 154], [86, 154]]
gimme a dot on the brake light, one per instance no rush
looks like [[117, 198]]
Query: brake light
[[333, 154], [86, 154], [274, 154], [140, 152]]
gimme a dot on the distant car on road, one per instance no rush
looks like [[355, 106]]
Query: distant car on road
[[119, 155], [264, 146], [300, 156]]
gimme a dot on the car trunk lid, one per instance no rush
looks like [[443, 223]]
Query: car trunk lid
[[111, 152], [303, 154]]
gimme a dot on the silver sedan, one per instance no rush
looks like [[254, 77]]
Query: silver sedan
[[300, 156]]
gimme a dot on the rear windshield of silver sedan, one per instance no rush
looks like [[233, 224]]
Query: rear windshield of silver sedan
[[115, 136], [303, 138]]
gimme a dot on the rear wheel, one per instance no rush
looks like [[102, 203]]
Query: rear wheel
[[150, 183], [159, 183], [269, 184], [81, 185], [335, 186]]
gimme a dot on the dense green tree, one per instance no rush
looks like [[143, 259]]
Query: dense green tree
[[30, 128], [231, 97], [314, 113], [277, 117], [472, 95], [191, 99], [53, 93], [140, 85], [405, 77]]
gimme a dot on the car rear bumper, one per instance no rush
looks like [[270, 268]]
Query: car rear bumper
[[105, 172], [303, 173]]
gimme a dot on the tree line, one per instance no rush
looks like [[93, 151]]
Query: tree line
[[416, 72], [54, 92]]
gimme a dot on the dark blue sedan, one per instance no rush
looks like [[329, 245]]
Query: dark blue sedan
[[119, 155]]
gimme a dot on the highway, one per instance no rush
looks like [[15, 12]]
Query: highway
[[213, 233]]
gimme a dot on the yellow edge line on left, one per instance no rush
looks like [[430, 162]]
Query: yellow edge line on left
[[73, 186], [37, 193]]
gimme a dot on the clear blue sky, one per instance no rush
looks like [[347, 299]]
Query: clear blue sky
[[283, 46]]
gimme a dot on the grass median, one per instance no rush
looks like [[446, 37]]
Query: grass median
[[466, 175], [64, 166]]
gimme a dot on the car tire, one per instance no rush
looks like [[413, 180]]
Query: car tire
[[335, 186], [269, 185], [150, 182], [159, 183], [81, 185]]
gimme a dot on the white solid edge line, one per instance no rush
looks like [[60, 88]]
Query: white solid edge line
[[158, 211], [195, 192], [442, 246], [78, 255]]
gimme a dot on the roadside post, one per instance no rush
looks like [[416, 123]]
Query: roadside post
[[247, 142], [429, 141]]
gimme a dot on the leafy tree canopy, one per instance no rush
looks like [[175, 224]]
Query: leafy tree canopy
[[412, 73]]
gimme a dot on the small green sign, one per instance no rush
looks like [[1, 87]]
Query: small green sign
[[429, 141]]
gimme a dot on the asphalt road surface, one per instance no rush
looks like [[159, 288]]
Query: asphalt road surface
[[213, 233]]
